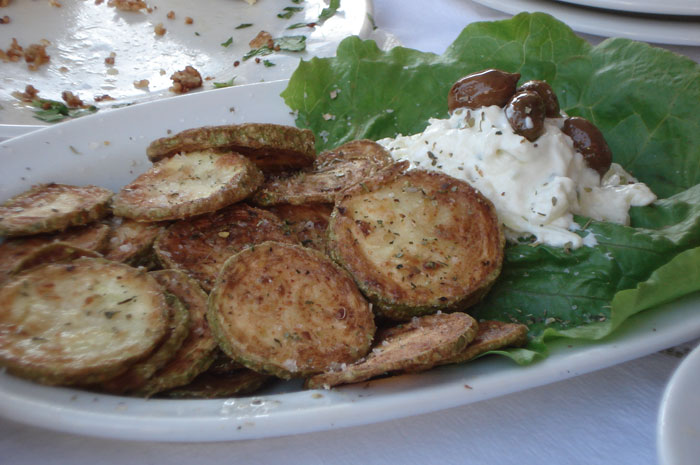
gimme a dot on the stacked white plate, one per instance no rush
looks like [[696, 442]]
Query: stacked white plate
[[674, 22]]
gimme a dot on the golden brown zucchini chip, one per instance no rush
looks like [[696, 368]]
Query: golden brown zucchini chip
[[223, 364], [309, 222], [492, 335], [332, 173], [131, 241], [289, 311], [200, 246], [12, 251], [198, 350], [188, 185], [81, 322], [411, 347], [140, 372], [52, 207], [210, 386], [272, 147], [417, 242], [55, 252]]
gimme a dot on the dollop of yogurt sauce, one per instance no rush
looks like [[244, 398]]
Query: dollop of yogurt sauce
[[537, 187]]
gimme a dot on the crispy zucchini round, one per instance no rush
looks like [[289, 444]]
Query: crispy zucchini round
[[12, 251], [81, 322], [289, 311], [333, 172], [140, 372], [198, 350], [272, 147], [492, 335], [200, 246], [309, 222], [412, 347], [187, 185], [209, 386], [54, 252], [131, 241], [52, 207], [417, 242]]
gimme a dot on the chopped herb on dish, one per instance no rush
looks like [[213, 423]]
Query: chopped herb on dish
[[330, 11], [52, 111], [286, 43], [301, 25], [243, 25], [229, 83], [289, 11], [228, 42]]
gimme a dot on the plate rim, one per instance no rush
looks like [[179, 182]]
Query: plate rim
[[678, 387], [592, 22], [648, 7]]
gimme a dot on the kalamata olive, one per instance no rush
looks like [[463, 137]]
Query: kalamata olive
[[589, 141], [551, 103], [482, 89], [525, 113]]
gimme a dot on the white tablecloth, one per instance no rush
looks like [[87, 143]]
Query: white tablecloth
[[607, 416]]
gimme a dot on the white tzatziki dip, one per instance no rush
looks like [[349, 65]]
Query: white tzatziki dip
[[537, 187]]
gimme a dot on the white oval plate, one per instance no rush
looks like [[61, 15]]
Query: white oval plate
[[678, 428], [671, 7], [607, 24], [109, 149], [83, 34]]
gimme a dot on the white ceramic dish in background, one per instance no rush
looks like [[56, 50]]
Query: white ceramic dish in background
[[83, 34], [607, 24], [109, 149], [670, 7], [678, 428]]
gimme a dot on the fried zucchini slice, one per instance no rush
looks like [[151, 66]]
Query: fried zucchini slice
[[55, 252], [200, 246], [309, 222], [223, 364], [81, 322], [333, 172], [210, 386], [288, 311], [131, 241], [12, 251], [492, 335], [411, 347], [52, 207], [272, 147], [417, 242], [187, 185], [139, 373], [198, 350]]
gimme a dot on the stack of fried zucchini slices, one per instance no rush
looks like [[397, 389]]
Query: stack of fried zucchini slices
[[240, 256]]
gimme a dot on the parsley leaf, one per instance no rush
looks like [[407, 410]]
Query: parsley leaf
[[52, 111], [289, 11], [229, 83], [330, 11]]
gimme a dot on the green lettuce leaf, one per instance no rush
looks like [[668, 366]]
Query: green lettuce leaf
[[646, 102], [644, 99]]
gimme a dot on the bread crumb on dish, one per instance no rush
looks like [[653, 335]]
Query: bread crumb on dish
[[159, 29], [128, 5], [186, 80]]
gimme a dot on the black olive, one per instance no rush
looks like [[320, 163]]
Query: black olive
[[589, 141], [525, 113], [551, 103], [482, 89]]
